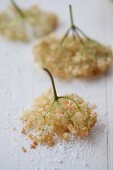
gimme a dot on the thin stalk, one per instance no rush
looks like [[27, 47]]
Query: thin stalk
[[53, 84], [18, 9], [71, 16], [49, 109], [74, 37], [74, 29], [68, 98], [65, 35], [42, 130], [62, 108], [82, 33], [78, 36]]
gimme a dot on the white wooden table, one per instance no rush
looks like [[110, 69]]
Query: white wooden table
[[21, 81]]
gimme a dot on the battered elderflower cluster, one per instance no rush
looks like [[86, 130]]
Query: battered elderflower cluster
[[22, 24], [53, 118], [73, 56]]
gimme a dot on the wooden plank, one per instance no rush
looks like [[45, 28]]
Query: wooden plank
[[21, 81], [110, 118]]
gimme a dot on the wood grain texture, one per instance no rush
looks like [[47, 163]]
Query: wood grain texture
[[21, 81]]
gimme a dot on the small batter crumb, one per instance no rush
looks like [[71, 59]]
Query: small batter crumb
[[24, 149], [32, 146], [14, 128]]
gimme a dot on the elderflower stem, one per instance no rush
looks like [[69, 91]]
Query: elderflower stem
[[62, 108], [74, 29], [71, 17], [53, 84], [79, 37], [18, 9], [65, 35], [65, 97], [82, 33], [49, 109], [42, 130]]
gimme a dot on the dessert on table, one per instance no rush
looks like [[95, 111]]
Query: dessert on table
[[73, 56], [22, 24], [54, 118]]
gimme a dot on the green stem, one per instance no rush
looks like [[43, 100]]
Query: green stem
[[42, 130], [53, 84], [65, 36], [79, 37], [74, 29], [49, 109], [73, 32], [82, 33], [18, 9], [62, 108], [71, 17], [68, 98]]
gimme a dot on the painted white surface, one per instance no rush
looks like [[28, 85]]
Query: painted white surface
[[21, 80]]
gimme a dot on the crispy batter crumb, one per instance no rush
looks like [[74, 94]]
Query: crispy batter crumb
[[14, 128], [32, 146], [72, 58], [30, 136], [24, 149]]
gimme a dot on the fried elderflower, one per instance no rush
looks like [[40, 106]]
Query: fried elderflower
[[73, 56], [24, 24], [53, 118]]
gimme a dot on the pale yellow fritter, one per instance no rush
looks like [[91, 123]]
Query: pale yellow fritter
[[73, 58], [35, 23], [69, 116]]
